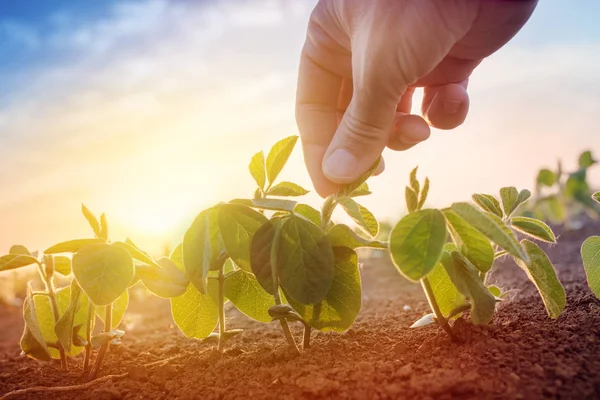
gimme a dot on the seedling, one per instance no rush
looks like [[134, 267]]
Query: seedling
[[590, 254], [296, 265], [450, 252]]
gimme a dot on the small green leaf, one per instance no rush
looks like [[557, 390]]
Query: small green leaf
[[18, 250], [72, 246], [62, 265], [425, 320], [546, 178], [541, 272], [534, 228], [32, 342], [165, 282], [196, 314], [136, 253], [267, 204], [555, 208], [304, 261], [423, 195], [508, 195], [257, 169], [412, 200], [359, 214], [64, 327], [414, 183], [416, 243], [119, 307], [308, 212], [473, 244], [342, 236], [287, 189], [362, 190], [488, 203], [596, 196], [590, 253], [446, 294], [103, 227], [92, 220], [342, 304], [492, 227], [103, 271], [495, 290], [14, 261], [586, 160], [260, 254], [248, 296], [278, 157], [523, 196], [346, 190]]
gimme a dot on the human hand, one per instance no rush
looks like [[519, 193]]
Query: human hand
[[363, 59]]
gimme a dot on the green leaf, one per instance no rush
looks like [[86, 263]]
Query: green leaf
[[177, 257], [103, 227], [278, 157], [196, 314], [523, 196], [541, 272], [267, 204], [446, 294], [423, 195], [414, 183], [238, 224], [32, 342], [412, 200], [14, 261], [342, 304], [72, 246], [248, 296], [466, 279], [64, 327], [416, 243], [488, 203], [203, 248], [308, 212], [62, 265], [103, 271], [346, 190], [341, 235], [304, 261], [166, 282], [362, 190], [492, 227], [586, 160], [136, 253], [534, 228], [92, 220], [590, 253], [546, 178], [119, 307], [287, 189], [495, 291], [18, 250], [260, 254], [359, 214], [257, 169], [554, 208], [508, 195], [596, 196], [473, 244]]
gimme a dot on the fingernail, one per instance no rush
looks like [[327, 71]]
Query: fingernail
[[340, 165], [451, 106]]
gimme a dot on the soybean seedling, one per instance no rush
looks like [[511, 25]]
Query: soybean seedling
[[590, 254], [450, 252]]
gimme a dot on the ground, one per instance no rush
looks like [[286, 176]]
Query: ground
[[522, 355]]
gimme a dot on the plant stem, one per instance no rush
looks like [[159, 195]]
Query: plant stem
[[327, 211], [221, 280], [439, 317], [306, 339], [91, 314], [49, 283], [104, 348], [274, 250]]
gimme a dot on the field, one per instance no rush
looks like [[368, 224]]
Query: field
[[522, 354]]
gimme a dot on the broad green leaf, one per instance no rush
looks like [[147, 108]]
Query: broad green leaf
[[590, 253], [416, 243], [359, 214], [267, 204], [466, 279], [14, 261], [136, 253], [508, 195], [425, 320], [196, 314], [287, 189], [62, 265], [18, 250], [546, 178], [238, 224], [119, 307], [414, 183], [423, 195], [308, 212], [412, 199], [596, 196], [248, 296], [92, 220], [64, 327], [473, 244], [534, 228], [278, 157], [203, 248], [488, 203], [304, 261], [541, 272], [492, 227], [257, 169], [342, 236], [165, 282], [72, 246], [260, 254], [342, 304], [362, 190], [586, 160], [103, 271], [346, 190], [33, 343], [103, 227], [446, 294]]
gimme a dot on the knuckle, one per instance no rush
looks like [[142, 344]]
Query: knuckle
[[361, 132]]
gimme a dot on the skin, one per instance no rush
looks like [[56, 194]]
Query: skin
[[362, 61]]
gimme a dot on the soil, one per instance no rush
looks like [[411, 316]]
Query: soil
[[522, 355]]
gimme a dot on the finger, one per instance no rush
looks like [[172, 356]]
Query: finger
[[446, 106], [409, 130]]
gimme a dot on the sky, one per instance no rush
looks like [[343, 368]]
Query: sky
[[150, 110]]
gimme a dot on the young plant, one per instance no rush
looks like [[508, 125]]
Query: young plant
[[296, 265], [450, 252], [590, 254]]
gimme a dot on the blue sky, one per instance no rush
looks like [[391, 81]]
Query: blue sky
[[143, 108]]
